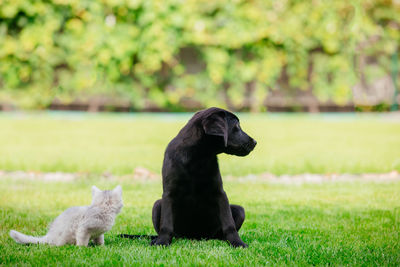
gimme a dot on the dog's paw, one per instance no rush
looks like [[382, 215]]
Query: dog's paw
[[238, 244], [160, 241]]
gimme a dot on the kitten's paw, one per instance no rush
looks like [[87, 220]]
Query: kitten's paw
[[99, 240], [161, 241]]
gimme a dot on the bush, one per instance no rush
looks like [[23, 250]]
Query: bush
[[172, 52]]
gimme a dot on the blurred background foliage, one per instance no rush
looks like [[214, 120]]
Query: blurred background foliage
[[178, 55]]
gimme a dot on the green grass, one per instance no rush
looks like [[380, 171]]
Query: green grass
[[287, 144], [313, 224], [353, 223]]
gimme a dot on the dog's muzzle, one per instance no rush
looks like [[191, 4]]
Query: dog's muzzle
[[251, 145], [246, 148]]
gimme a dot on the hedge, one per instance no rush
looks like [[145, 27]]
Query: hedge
[[171, 52]]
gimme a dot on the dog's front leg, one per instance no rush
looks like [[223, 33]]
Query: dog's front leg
[[166, 225], [227, 222]]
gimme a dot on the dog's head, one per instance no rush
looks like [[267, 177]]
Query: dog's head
[[222, 124]]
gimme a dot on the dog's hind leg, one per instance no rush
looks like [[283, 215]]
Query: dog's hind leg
[[156, 215], [162, 221], [238, 215]]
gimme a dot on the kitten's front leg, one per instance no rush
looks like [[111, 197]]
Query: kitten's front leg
[[99, 240], [82, 237]]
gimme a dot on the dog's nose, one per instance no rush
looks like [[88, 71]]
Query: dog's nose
[[255, 142]]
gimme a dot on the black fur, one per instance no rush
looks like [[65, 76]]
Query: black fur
[[194, 203]]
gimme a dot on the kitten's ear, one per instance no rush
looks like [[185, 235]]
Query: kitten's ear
[[118, 190], [95, 190]]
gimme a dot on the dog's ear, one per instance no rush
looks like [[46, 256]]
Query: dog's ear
[[216, 124]]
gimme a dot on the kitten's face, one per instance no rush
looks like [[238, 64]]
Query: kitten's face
[[110, 198]]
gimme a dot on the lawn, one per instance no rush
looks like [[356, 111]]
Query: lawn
[[328, 223], [319, 224], [287, 144]]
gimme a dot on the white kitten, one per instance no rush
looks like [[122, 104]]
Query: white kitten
[[77, 225]]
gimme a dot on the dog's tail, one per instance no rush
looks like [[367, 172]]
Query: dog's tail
[[27, 239], [138, 236]]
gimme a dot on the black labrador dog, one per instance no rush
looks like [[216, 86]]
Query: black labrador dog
[[194, 203]]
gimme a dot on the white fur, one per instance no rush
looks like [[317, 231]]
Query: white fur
[[78, 225]]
